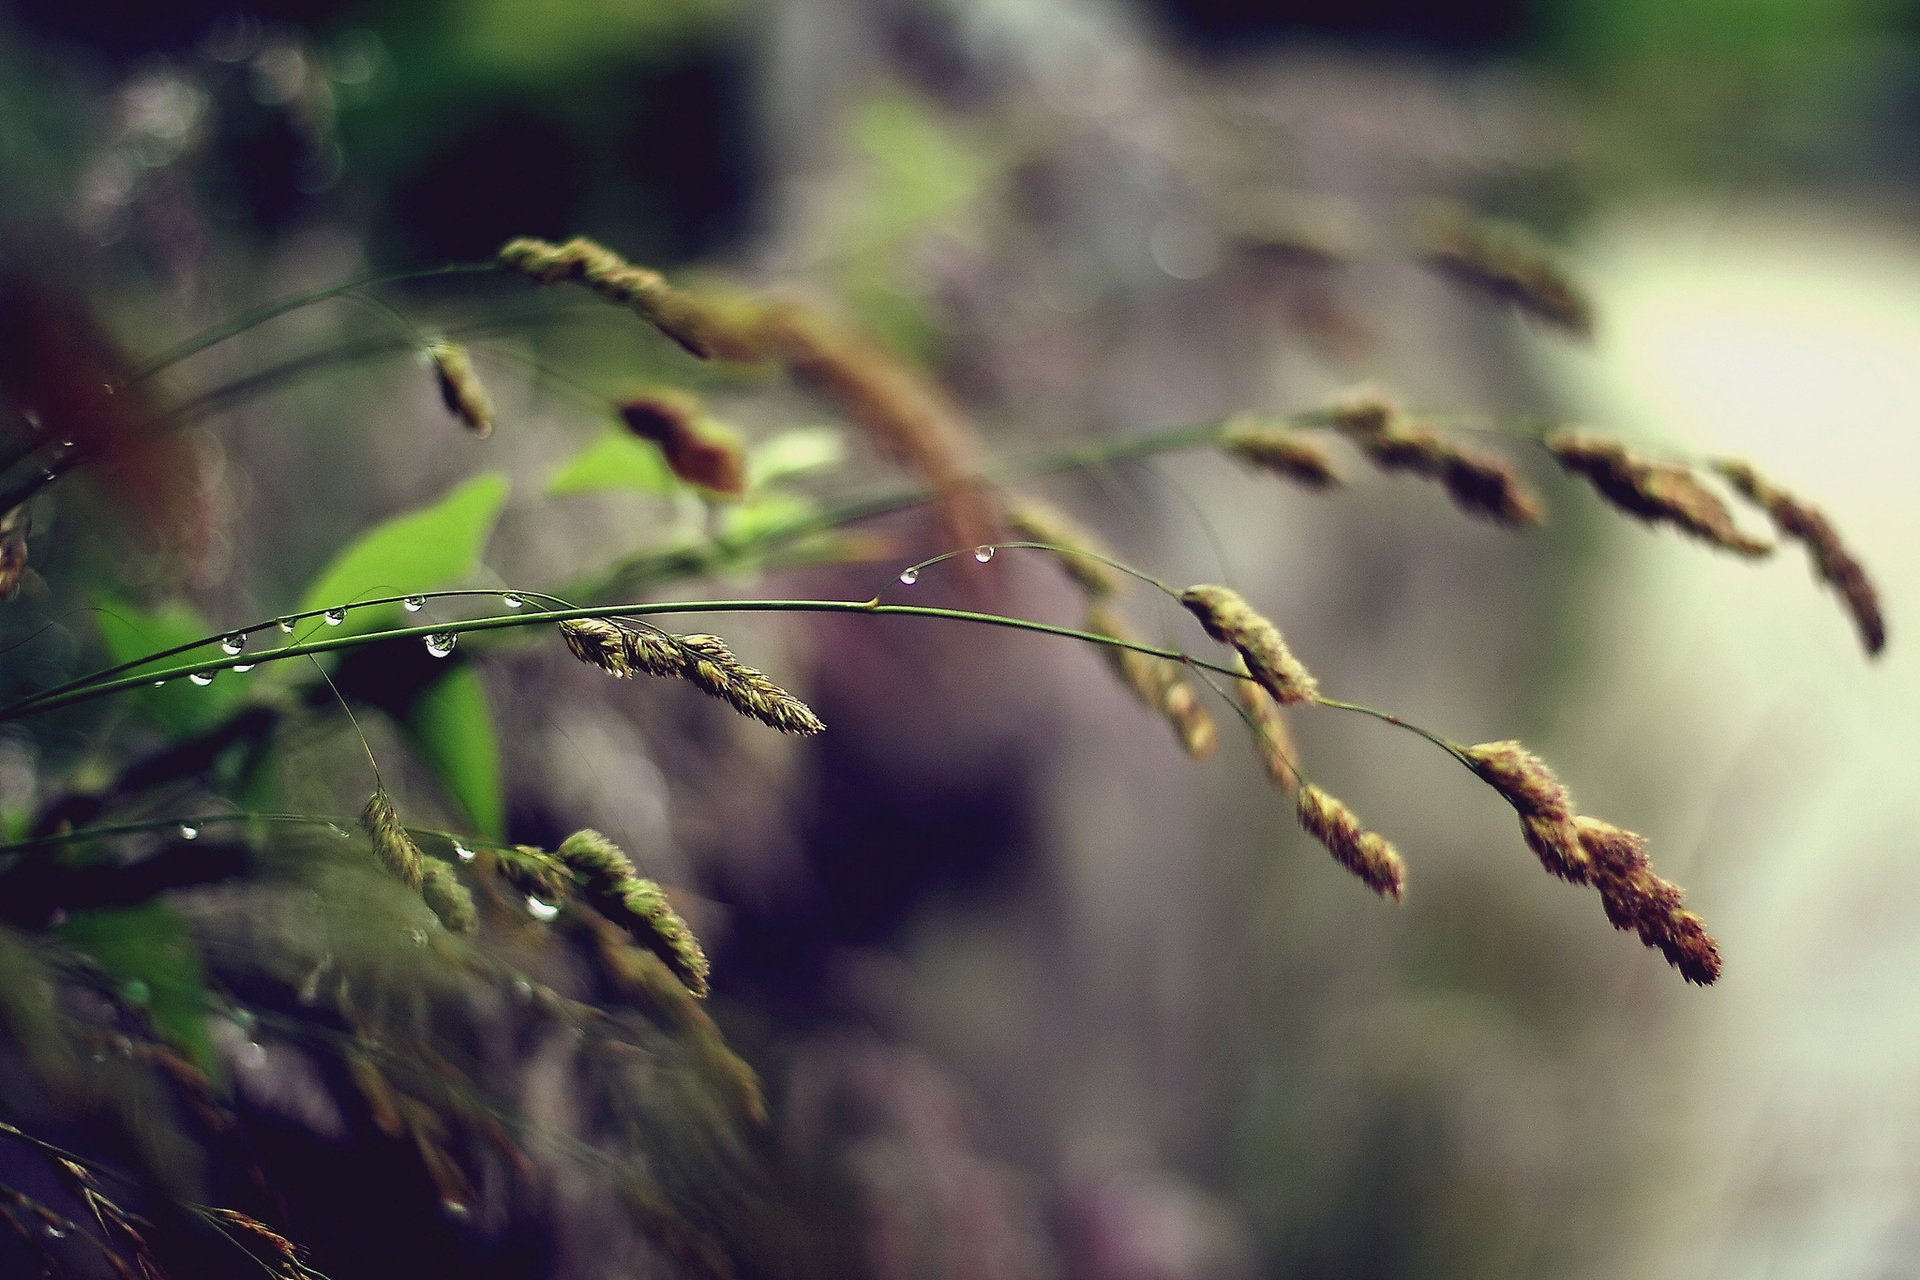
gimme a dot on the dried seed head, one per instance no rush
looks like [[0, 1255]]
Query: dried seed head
[[1271, 738], [1366, 413], [1639, 901], [1509, 265], [1360, 851], [602, 643], [1039, 522], [1280, 451], [1231, 620], [1480, 483], [1158, 683], [460, 388], [1809, 526], [696, 451], [711, 667], [1656, 492], [449, 899], [391, 843], [1484, 484], [1543, 803]]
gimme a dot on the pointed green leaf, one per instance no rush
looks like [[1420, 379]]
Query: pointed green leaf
[[179, 707], [422, 550], [451, 728], [616, 460], [794, 453]]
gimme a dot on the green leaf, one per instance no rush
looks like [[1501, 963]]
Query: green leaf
[[794, 453], [617, 460], [450, 726], [422, 550], [158, 965], [179, 707]]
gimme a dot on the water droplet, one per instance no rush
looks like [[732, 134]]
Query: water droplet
[[414, 604], [334, 617], [47, 473], [201, 678], [243, 668], [69, 444], [254, 1056], [440, 643], [983, 554], [461, 852], [455, 1210], [511, 600], [158, 683], [418, 937], [106, 388], [523, 991], [55, 1233], [541, 910], [286, 625], [234, 643], [340, 831], [189, 832], [909, 576], [136, 991]]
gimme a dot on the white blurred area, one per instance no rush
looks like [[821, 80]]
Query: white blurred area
[[1780, 1109]]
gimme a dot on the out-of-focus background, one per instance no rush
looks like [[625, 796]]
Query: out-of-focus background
[[1031, 994]]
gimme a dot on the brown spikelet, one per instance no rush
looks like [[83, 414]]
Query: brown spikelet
[[898, 408], [391, 843], [460, 388], [14, 527], [694, 450], [1272, 740], [711, 667], [706, 331], [1038, 522], [637, 905], [1365, 853], [1231, 620], [1508, 265], [1158, 683], [1641, 902], [599, 642], [654, 652], [1543, 803], [1279, 451], [448, 898], [1657, 492], [1808, 525], [1479, 483]]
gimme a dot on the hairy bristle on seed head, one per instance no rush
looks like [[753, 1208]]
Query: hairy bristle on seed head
[[1657, 492], [594, 858], [449, 899], [1280, 452], [712, 667], [1509, 265], [1272, 741], [599, 642], [14, 526], [1033, 521], [641, 907], [1479, 483], [1229, 619], [1639, 901], [460, 388], [696, 451], [391, 843], [1365, 853], [1157, 682], [1832, 561]]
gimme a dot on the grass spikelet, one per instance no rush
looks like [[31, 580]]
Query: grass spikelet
[[898, 408], [1808, 525], [1229, 619], [695, 450], [1479, 483], [1158, 683], [711, 667], [1638, 901], [601, 643], [460, 388], [1543, 803], [1272, 740], [703, 331], [651, 651], [391, 843], [1365, 853], [449, 899], [532, 871], [1656, 492], [1281, 452], [14, 526], [637, 905], [1509, 265], [1040, 522]]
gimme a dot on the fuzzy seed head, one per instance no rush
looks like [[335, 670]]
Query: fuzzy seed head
[[600, 643], [1638, 901], [460, 387], [391, 843], [450, 900], [641, 907], [1657, 492], [1272, 741], [711, 667], [1229, 619], [1832, 561], [1365, 853], [694, 450], [1158, 683], [1281, 452], [594, 858], [1508, 265]]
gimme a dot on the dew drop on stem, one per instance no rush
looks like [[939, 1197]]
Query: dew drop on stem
[[334, 617], [286, 625], [243, 668], [234, 643], [414, 604], [541, 910], [461, 852], [909, 576], [511, 600], [201, 678], [983, 554], [441, 643], [189, 832]]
